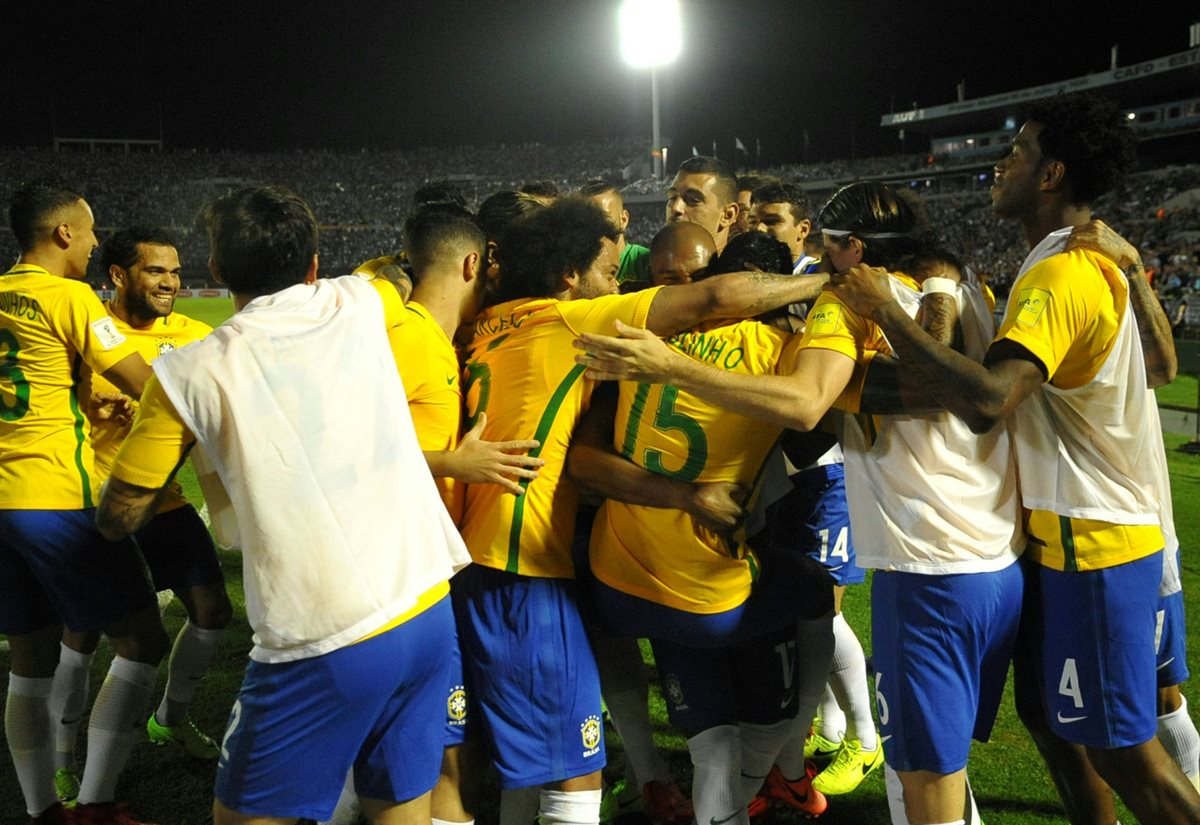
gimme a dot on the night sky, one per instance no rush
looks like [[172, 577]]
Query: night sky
[[267, 75]]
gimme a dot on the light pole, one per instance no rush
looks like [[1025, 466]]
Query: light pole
[[650, 34]]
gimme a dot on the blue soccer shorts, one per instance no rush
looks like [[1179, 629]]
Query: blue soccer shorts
[[814, 519], [941, 647], [1170, 640]]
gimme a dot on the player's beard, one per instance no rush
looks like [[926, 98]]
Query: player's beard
[[143, 309]]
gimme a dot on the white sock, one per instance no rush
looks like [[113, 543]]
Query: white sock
[[848, 681], [436, 821], [830, 721], [68, 700], [569, 807], [716, 775], [814, 648], [973, 812], [190, 658], [895, 796], [1178, 735], [760, 745], [631, 718], [519, 806], [27, 729], [117, 720]]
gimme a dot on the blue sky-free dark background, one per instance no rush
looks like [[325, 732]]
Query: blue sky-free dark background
[[275, 75]]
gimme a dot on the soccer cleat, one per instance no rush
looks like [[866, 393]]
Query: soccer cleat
[[619, 798], [820, 749], [664, 804], [66, 783], [848, 769], [798, 794], [56, 814], [104, 813], [186, 734]]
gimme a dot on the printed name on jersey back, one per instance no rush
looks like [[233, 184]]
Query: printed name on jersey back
[[490, 326], [20, 305], [709, 349]]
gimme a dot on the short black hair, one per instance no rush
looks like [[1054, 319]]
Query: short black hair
[[727, 187], [262, 239], [752, 250], [548, 244], [31, 207], [439, 191], [440, 229], [748, 183], [597, 186], [792, 194], [1088, 134], [121, 248], [541, 189], [501, 209]]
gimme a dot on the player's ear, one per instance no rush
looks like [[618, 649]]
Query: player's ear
[[310, 277], [1054, 175], [212, 270], [804, 226], [624, 219], [470, 267], [62, 235], [116, 274]]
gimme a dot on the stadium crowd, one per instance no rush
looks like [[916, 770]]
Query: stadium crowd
[[565, 440]]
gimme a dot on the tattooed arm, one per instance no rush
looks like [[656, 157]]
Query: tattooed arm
[[735, 295], [125, 508]]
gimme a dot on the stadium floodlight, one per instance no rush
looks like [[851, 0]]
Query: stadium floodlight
[[651, 36]]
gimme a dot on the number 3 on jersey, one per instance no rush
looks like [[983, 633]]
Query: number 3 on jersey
[[10, 372]]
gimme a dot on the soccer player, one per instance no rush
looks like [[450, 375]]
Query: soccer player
[[704, 192], [665, 573], [680, 252], [56, 568], [519, 623], [933, 507], [296, 405], [746, 184], [782, 211], [635, 258], [1080, 342], [143, 265]]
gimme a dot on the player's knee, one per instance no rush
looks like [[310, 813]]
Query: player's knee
[[212, 609]]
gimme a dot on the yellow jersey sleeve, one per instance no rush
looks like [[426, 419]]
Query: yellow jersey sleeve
[[600, 315], [157, 443], [163, 336], [1066, 311], [393, 304]]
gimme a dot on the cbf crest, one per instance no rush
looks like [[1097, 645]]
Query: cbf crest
[[456, 706], [164, 347], [590, 731]]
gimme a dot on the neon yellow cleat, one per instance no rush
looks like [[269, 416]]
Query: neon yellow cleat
[[848, 769], [185, 734]]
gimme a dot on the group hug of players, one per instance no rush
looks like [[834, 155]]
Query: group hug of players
[[632, 443]]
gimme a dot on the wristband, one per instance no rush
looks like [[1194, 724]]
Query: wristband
[[943, 286]]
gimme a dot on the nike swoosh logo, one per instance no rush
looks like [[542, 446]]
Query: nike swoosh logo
[[831, 569], [883, 739], [1066, 720], [65, 721], [785, 702], [1167, 662], [715, 821], [450, 380]]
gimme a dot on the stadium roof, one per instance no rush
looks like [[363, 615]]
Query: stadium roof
[[1173, 77]]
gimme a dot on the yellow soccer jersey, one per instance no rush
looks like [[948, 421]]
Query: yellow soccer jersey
[[522, 373], [430, 372], [161, 337], [663, 555], [1066, 311], [50, 327]]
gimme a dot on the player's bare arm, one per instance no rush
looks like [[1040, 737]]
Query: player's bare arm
[[129, 375], [594, 465], [125, 508], [1154, 328], [980, 395], [799, 398], [476, 461], [734, 295]]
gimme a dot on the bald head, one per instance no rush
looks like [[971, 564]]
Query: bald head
[[679, 252]]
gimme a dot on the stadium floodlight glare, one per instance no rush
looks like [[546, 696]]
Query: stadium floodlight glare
[[651, 36], [650, 32]]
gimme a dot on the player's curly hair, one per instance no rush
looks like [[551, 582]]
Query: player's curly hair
[[869, 208], [1090, 137], [752, 251], [121, 248], [548, 244]]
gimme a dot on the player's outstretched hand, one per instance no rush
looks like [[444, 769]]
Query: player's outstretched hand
[[637, 355], [506, 463], [1098, 236], [718, 505], [863, 289], [114, 407]]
